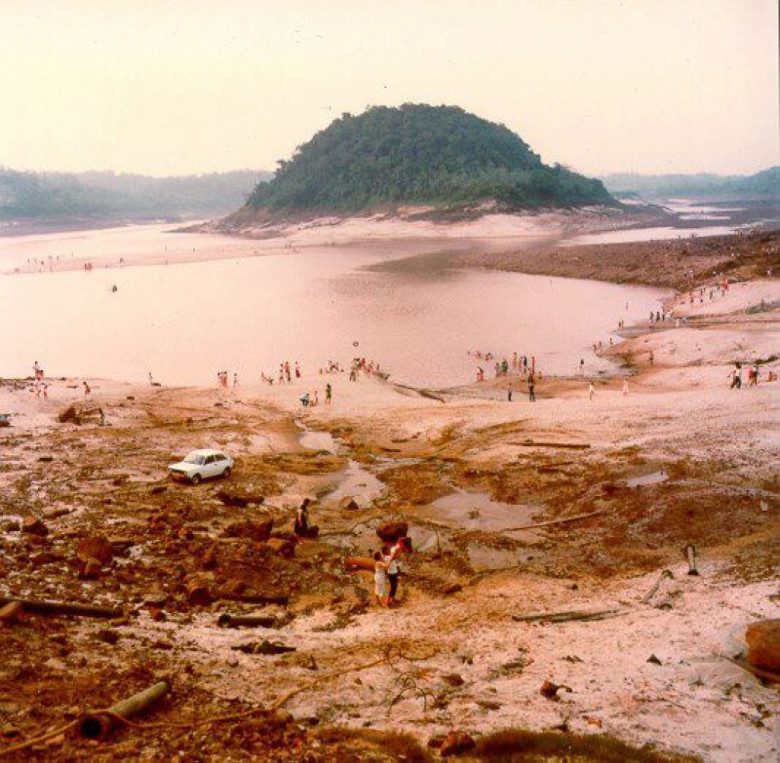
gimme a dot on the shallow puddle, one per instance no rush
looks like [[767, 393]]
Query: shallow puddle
[[317, 441], [476, 511], [358, 483], [654, 478]]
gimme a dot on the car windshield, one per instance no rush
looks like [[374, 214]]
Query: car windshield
[[194, 458]]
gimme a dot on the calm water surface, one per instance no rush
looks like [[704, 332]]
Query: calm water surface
[[186, 322]]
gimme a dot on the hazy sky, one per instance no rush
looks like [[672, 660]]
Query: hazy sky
[[165, 87]]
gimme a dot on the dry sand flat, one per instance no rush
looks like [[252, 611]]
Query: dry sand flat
[[701, 459]]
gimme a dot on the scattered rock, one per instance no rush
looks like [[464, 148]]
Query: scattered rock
[[392, 530], [34, 526], [46, 459], [239, 500], [209, 560], [763, 640], [456, 743], [652, 658], [156, 599], [158, 489], [56, 513], [264, 647], [489, 704], [549, 690], [453, 679], [233, 588], [256, 530], [348, 503], [453, 588], [107, 635], [95, 547], [281, 546], [44, 557], [89, 569]]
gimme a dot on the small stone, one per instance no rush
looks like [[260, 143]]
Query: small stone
[[456, 743], [34, 526], [453, 679], [107, 636], [95, 547], [652, 658], [348, 503]]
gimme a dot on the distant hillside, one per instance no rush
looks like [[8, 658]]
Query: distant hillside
[[419, 154], [101, 195], [765, 183]]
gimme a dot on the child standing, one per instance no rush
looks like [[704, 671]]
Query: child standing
[[380, 579]]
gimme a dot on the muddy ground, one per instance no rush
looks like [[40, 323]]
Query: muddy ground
[[483, 485]]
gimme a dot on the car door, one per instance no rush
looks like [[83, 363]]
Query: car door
[[210, 467]]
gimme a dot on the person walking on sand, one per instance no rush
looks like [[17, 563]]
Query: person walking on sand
[[736, 376], [235, 380], [582, 367], [531, 388], [591, 391], [328, 393], [625, 386], [509, 393], [380, 580], [87, 389]]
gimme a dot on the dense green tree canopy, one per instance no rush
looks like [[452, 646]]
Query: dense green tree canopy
[[419, 154]]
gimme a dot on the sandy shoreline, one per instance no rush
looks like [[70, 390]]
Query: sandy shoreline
[[702, 453]]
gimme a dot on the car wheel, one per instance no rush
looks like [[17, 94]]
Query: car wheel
[[226, 473], [195, 479]]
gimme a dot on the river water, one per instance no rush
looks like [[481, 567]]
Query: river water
[[185, 322]]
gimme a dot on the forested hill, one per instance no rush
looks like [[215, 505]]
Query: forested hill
[[763, 184], [108, 195], [419, 154]]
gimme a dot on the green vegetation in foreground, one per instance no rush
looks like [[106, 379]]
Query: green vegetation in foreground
[[420, 154]]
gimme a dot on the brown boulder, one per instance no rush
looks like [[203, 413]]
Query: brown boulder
[[239, 500], [95, 547], [281, 546], [348, 503], [259, 531], [392, 530], [34, 526], [763, 640], [456, 743]]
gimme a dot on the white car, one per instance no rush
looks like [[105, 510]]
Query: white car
[[201, 465]]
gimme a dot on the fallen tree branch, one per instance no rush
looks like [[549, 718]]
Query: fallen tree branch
[[553, 522], [652, 592], [565, 617], [569, 445], [63, 608]]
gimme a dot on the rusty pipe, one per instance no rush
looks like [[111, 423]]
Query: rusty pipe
[[96, 724], [236, 621], [62, 608], [11, 612]]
